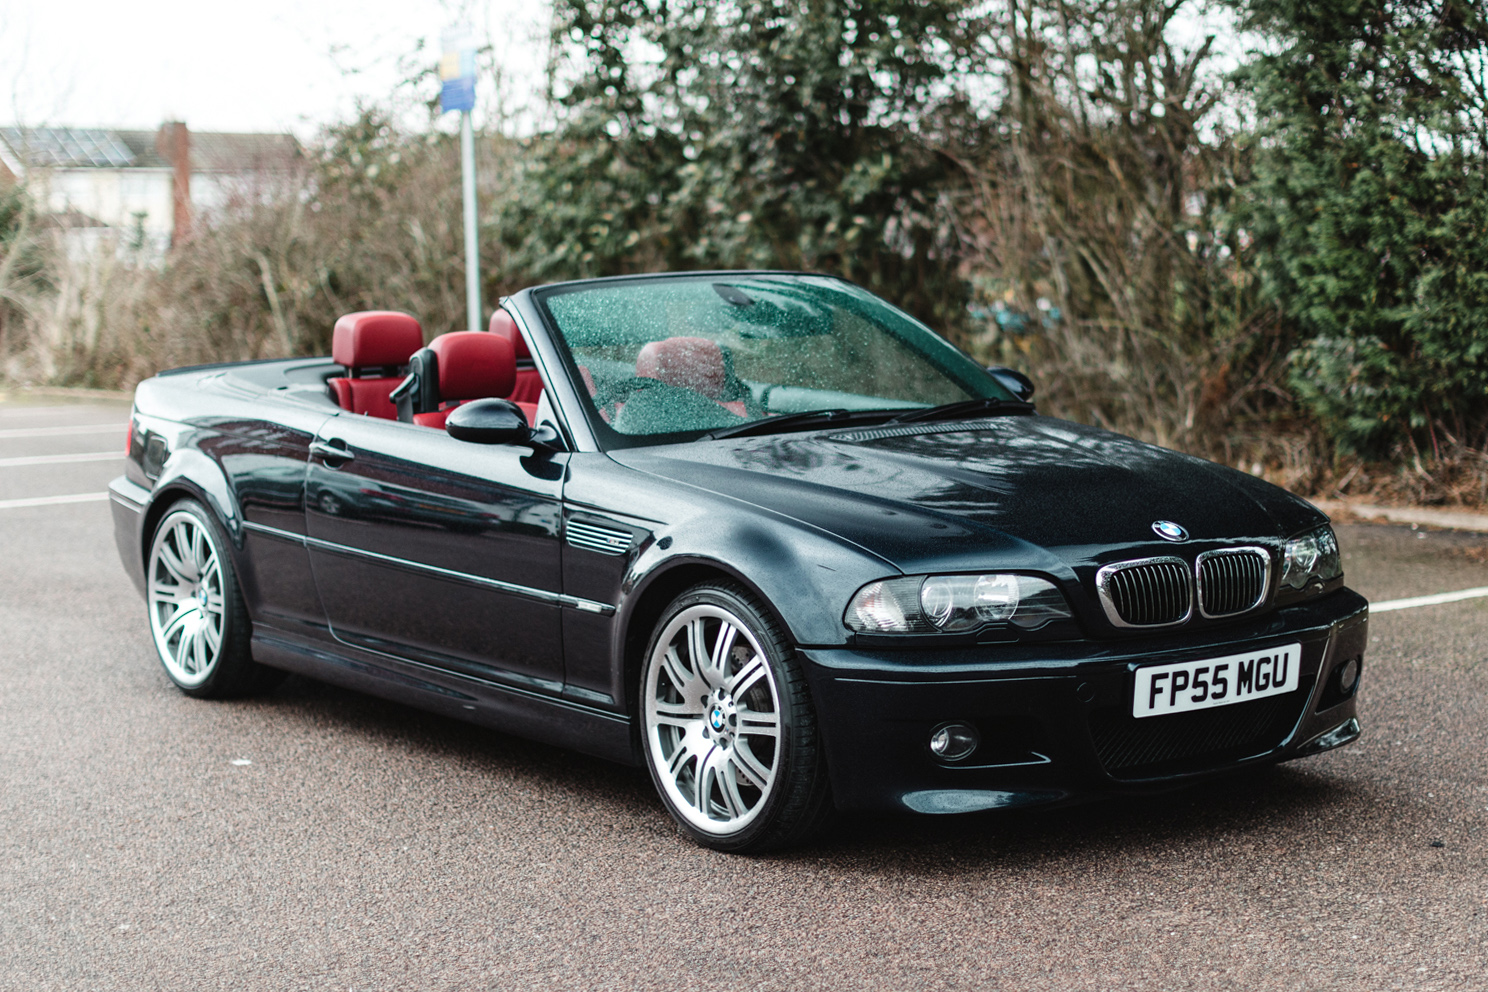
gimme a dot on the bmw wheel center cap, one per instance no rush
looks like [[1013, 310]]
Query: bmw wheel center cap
[[1169, 531], [716, 718]]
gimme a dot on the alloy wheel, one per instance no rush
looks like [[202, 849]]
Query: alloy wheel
[[186, 598], [712, 719]]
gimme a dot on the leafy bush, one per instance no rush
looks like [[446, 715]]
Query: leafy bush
[[758, 134], [1370, 209]]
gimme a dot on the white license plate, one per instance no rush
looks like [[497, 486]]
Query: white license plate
[[1201, 685]]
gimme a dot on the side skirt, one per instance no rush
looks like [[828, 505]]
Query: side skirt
[[507, 709]]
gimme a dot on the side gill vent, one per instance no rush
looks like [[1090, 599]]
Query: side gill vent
[[591, 537]]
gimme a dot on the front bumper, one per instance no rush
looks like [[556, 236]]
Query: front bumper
[[1054, 718]]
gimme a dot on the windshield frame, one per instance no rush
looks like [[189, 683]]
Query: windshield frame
[[974, 378]]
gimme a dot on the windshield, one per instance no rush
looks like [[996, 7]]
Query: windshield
[[667, 356]]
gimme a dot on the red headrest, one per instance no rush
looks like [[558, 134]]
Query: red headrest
[[375, 337], [691, 363], [503, 324], [474, 365]]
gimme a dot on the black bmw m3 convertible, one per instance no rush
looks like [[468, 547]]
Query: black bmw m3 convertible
[[760, 532]]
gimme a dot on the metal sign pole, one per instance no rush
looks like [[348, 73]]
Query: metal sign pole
[[472, 241], [457, 76]]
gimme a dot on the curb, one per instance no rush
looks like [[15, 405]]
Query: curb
[[1449, 519], [64, 392]]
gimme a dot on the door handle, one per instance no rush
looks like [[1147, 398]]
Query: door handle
[[331, 451]]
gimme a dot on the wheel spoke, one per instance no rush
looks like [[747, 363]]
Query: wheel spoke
[[683, 714], [160, 592], [173, 563], [177, 621], [753, 723], [181, 651], [198, 552], [682, 710], [747, 676], [677, 763], [729, 788], [702, 779], [722, 645], [212, 634], [678, 760], [697, 649], [183, 535], [199, 649], [753, 769], [677, 671]]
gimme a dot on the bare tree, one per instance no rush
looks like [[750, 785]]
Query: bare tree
[[1098, 196]]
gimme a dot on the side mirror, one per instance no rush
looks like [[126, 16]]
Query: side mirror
[[1013, 381], [494, 421], [489, 422]]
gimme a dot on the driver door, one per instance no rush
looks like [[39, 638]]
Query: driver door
[[441, 552]]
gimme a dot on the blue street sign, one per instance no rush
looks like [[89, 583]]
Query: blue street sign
[[457, 94], [457, 69]]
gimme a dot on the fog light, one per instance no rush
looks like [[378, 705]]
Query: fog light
[[1348, 676], [953, 741]]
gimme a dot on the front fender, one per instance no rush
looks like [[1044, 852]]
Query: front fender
[[803, 575]]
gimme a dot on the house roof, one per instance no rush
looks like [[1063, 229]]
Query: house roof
[[67, 146], [110, 148]]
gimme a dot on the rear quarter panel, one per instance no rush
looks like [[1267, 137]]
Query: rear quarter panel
[[242, 451]]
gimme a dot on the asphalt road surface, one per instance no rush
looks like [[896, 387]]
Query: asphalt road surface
[[320, 839]]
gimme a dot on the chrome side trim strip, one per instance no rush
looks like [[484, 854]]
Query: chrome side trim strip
[[542, 595], [267, 531]]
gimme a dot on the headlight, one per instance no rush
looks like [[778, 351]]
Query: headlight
[[1313, 557], [934, 604]]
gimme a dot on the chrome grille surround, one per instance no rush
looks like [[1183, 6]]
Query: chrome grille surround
[[1146, 592], [1232, 581]]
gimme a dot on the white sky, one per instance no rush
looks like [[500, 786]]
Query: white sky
[[263, 65]]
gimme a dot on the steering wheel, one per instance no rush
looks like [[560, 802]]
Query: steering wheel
[[608, 395]]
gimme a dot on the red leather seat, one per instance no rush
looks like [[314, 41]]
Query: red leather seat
[[529, 385], [378, 341], [472, 365], [689, 363]]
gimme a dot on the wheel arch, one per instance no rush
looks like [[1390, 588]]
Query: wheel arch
[[645, 605], [189, 474]]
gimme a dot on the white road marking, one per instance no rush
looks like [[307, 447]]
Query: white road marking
[[86, 456], [16, 504], [63, 430], [1438, 599]]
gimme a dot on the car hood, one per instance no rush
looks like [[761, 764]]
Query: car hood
[[1029, 490]]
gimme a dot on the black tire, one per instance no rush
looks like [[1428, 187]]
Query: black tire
[[195, 609], [731, 742]]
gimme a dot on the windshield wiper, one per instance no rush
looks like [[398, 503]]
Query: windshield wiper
[[807, 418], [962, 408]]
